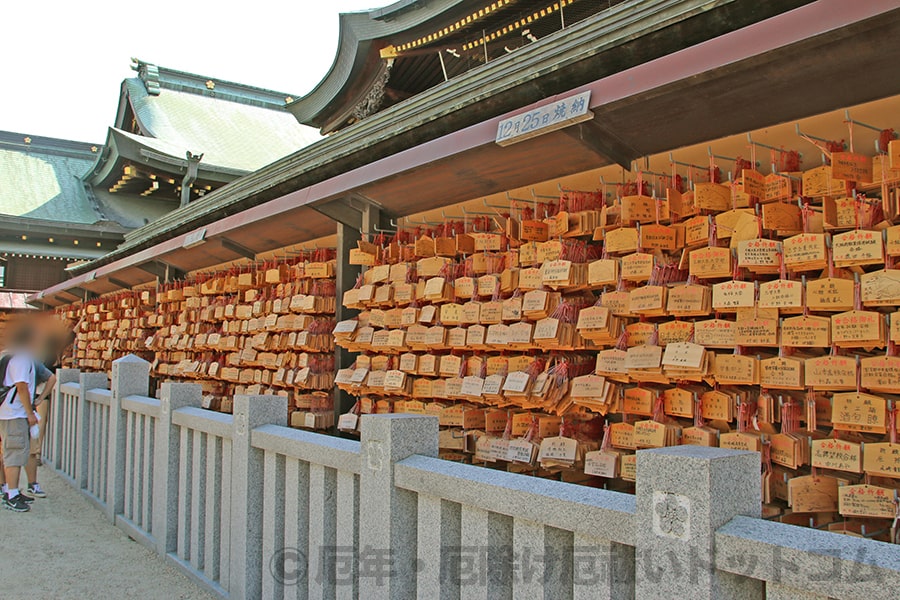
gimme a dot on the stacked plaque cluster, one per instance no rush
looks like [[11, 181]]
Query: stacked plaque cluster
[[261, 329], [757, 314]]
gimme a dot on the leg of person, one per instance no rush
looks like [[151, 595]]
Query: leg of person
[[43, 410], [3, 488], [15, 449], [34, 488]]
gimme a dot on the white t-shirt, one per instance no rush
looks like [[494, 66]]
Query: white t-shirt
[[19, 369]]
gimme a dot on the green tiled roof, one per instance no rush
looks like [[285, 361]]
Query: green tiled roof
[[131, 211], [229, 134], [40, 179]]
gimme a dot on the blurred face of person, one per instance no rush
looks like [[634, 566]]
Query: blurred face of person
[[41, 335]]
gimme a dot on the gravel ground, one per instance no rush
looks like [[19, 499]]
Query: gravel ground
[[64, 548]]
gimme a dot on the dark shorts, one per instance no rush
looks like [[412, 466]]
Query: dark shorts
[[16, 442]]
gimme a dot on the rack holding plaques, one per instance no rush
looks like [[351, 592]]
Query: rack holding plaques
[[109, 328], [265, 328], [757, 312]]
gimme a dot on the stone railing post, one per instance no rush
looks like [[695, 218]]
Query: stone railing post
[[387, 520], [130, 377], [56, 422], [248, 464], [166, 465], [88, 381], [685, 493]]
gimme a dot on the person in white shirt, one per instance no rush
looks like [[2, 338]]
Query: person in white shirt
[[45, 381], [17, 415]]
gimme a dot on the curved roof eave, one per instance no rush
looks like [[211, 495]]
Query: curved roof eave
[[100, 166], [357, 31], [103, 166], [121, 145]]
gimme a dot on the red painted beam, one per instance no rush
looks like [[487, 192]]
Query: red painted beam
[[787, 28]]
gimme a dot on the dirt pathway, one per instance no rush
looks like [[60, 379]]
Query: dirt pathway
[[64, 548]]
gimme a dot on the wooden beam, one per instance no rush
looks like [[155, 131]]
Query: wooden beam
[[345, 279], [83, 293], [238, 249], [119, 282], [165, 272], [341, 211], [602, 142]]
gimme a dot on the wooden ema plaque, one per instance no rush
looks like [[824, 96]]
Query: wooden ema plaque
[[756, 331], [730, 222], [710, 263], [712, 197], [680, 205], [689, 300], [880, 288], [603, 272], [846, 213], [857, 247], [777, 187], [830, 294], [759, 255], [880, 374], [892, 243], [867, 501], [678, 402], [830, 373], [782, 373], [644, 209], [882, 459], [655, 236], [637, 266], [805, 252], [857, 328], [696, 231], [859, 412], [837, 455], [672, 332], [622, 240], [820, 181], [806, 332], [732, 295], [715, 333], [851, 166], [783, 294], [781, 217], [736, 369]]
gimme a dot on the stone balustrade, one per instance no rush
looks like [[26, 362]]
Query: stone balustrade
[[250, 508]]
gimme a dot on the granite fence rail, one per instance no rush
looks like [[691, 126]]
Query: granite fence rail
[[250, 508]]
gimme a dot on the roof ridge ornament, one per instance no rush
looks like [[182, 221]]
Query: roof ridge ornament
[[149, 74]]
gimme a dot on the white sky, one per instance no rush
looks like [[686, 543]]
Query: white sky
[[61, 62]]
